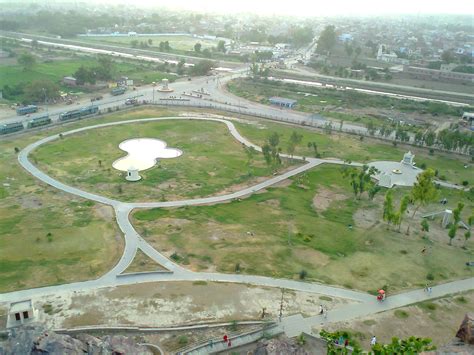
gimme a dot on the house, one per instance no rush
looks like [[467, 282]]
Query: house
[[20, 313], [282, 102], [70, 81]]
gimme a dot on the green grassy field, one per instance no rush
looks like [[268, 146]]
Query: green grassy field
[[180, 43], [84, 242], [55, 70], [307, 226], [351, 148], [47, 237], [212, 161]]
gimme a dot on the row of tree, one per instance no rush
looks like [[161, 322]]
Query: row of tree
[[104, 70]]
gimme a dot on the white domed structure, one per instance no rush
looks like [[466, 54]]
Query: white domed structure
[[132, 174]]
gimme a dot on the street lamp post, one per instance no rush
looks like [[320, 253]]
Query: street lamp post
[[45, 100]]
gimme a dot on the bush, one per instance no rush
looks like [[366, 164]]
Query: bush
[[430, 276], [465, 183], [183, 340], [401, 314]]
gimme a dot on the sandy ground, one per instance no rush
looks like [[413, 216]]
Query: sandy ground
[[440, 324], [174, 303]]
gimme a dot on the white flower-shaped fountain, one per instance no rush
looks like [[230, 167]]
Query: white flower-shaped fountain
[[143, 153]]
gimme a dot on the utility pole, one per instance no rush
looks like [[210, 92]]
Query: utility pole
[[153, 90], [45, 100], [281, 304]]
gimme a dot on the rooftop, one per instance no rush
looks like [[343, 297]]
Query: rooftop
[[282, 100], [20, 306]]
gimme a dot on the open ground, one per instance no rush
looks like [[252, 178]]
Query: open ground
[[308, 197]]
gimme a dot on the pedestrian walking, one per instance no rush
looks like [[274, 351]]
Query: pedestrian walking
[[321, 309], [429, 290], [325, 313], [229, 344], [225, 337], [373, 341], [211, 343]]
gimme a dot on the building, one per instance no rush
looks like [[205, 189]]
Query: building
[[70, 81], [383, 55], [20, 313], [282, 102], [442, 75]]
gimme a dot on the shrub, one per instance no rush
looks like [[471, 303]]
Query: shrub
[[430, 276], [401, 314], [183, 340], [465, 183]]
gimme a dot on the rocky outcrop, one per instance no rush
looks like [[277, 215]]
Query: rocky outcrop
[[279, 346], [466, 330], [37, 340]]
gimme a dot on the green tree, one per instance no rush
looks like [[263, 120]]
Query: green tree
[[388, 209], [26, 60], [39, 90], [295, 139], [425, 227], [206, 53], [467, 235], [315, 148], [452, 233], [327, 39], [197, 47], [401, 210], [150, 41], [134, 43], [221, 46], [411, 345], [424, 190], [447, 57], [203, 67], [250, 152]]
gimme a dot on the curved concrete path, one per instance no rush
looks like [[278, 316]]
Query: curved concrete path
[[133, 242]]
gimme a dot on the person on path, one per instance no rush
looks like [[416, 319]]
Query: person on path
[[211, 343], [229, 344], [225, 337], [321, 309], [373, 341], [429, 289], [325, 313]]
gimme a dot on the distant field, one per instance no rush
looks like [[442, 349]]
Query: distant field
[[180, 43], [55, 70]]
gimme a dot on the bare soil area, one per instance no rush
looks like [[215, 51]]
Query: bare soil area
[[324, 197], [174, 303]]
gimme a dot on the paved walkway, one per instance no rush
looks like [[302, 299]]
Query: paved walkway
[[291, 325]]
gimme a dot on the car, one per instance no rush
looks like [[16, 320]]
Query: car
[[131, 101]]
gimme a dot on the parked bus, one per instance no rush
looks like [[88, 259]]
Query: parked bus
[[11, 127], [26, 110], [119, 91], [39, 121]]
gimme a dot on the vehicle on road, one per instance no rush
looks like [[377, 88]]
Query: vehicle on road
[[97, 98], [11, 127], [39, 121], [74, 114], [26, 110], [118, 91], [131, 102]]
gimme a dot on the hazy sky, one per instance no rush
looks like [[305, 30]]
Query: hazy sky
[[318, 7]]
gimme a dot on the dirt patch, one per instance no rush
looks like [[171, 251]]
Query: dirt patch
[[273, 202], [313, 256], [283, 183], [324, 197], [173, 303], [367, 217], [30, 202], [104, 212]]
